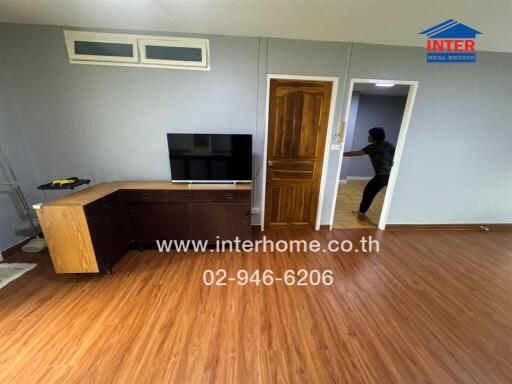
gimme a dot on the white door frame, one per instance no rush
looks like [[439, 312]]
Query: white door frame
[[404, 126], [330, 124]]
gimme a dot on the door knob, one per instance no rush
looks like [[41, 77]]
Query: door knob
[[269, 162]]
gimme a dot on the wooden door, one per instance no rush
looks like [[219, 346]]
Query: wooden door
[[297, 128]]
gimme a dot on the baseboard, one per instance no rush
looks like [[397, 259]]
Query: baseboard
[[359, 178], [354, 178], [256, 227], [451, 226], [13, 249], [325, 227]]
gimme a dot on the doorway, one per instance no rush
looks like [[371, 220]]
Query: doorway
[[371, 103], [299, 121]]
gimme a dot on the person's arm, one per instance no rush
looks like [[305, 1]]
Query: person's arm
[[354, 153]]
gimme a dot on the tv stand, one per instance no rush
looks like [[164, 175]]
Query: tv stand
[[89, 230], [215, 185]]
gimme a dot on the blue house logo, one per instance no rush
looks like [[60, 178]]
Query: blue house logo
[[451, 42]]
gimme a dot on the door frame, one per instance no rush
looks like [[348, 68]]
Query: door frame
[[328, 137], [404, 126]]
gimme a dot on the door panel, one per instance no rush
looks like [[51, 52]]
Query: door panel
[[298, 115], [292, 205]]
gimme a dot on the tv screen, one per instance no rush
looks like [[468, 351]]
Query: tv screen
[[210, 157]]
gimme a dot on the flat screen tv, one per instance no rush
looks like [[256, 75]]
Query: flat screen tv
[[210, 157]]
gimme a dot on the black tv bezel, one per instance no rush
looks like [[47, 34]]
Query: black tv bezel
[[209, 181]]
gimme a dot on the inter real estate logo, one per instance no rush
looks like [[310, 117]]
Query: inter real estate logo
[[451, 42]]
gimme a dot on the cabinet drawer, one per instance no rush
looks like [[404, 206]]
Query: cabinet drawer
[[230, 195], [188, 195], [141, 195]]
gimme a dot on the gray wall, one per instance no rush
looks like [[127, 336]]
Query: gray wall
[[308, 58], [12, 141], [373, 111], [349, 136], [109, 123], [113, 120], [457, 163]]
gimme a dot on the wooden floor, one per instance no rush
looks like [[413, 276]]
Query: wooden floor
[[431, 307], [348, 200]]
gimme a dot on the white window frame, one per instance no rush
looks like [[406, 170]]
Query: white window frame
[[72, 36], [139, 43], [185, 43]]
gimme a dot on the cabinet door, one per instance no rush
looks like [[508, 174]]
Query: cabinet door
[[202, 221], [109, 233], [158, 221], [123, 231], [207, 220], [237, 220]]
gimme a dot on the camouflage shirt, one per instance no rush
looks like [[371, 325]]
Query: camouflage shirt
[[381, 154]]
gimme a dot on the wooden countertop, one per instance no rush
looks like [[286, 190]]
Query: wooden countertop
[[92, 193]]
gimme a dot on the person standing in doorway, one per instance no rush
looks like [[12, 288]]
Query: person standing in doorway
[[381, 155]]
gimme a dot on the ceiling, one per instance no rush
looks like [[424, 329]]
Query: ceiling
[[395, 22], [371, 89]]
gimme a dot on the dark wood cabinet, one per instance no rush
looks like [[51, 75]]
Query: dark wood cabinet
[[87, 231], [125, 217], [189, 215]]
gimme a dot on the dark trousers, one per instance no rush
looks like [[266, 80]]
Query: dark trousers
[[370, 191]]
